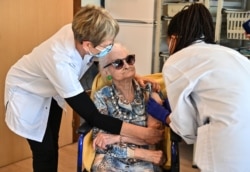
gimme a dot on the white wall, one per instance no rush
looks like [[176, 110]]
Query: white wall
[[96, 2]]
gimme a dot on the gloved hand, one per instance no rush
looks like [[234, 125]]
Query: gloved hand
[[167, 105], [157, 111]]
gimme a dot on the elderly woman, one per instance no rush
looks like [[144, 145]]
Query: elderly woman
[[123, 99]]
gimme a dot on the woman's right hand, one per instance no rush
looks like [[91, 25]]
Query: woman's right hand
[[104, 139], [155, 156]]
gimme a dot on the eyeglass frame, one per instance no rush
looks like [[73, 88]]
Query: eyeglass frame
[[114, 63], [105, 50]]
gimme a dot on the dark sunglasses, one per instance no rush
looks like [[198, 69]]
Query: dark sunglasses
[[119, 63]]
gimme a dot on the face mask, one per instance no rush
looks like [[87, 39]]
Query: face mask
[[103, 52]]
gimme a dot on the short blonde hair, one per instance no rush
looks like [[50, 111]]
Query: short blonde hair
[[93, 23]]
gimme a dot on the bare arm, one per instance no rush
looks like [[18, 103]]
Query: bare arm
[[104, 139], [154, 123], [149, 135], [113, 125], [154, 156]]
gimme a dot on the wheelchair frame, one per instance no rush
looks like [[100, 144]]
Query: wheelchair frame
[[175, 157]]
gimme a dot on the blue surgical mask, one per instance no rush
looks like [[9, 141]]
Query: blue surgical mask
[[103, 52]]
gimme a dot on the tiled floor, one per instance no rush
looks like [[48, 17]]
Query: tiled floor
[[67, 160]]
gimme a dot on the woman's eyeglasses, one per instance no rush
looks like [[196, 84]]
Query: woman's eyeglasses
[[119, 63]]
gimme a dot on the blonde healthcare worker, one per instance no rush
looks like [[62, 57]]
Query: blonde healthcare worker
[[208, 87], [38, 84]]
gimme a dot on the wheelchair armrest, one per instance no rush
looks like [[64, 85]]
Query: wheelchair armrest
[[174, 137], [84, 128]]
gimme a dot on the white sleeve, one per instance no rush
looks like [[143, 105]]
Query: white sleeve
[[63, 75], [183, 116]]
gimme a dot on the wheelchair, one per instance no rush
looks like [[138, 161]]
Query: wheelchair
[[85, 128], [82, 131], [175, 158]]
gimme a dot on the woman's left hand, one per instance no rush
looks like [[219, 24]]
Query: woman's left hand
[[104, 139], [143, 81]]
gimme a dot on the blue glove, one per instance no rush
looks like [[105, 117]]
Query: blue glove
[[157, 111], [167, 105]]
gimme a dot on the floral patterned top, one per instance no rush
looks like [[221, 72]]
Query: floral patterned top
[[107, 102]]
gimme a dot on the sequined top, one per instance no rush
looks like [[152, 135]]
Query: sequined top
[[108, 103]]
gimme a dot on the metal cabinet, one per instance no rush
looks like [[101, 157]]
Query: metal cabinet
[[222, 6], [165, 11]]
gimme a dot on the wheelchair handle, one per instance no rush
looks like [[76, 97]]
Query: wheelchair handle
[[84, 128]]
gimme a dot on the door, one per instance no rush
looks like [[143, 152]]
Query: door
[[24, 24]]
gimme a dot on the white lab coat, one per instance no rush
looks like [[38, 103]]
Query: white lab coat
[[52, 69], [209, 92]]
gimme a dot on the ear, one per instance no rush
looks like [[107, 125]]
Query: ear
[[106, 72], [172, 43], [173, 37], [86, 44]]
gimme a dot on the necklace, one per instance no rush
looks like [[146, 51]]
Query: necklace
[[128, 110], [125, 100]]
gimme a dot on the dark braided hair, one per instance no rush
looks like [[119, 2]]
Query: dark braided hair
[[193, 23]]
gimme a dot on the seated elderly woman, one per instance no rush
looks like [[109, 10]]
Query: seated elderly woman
[[123, 99]]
